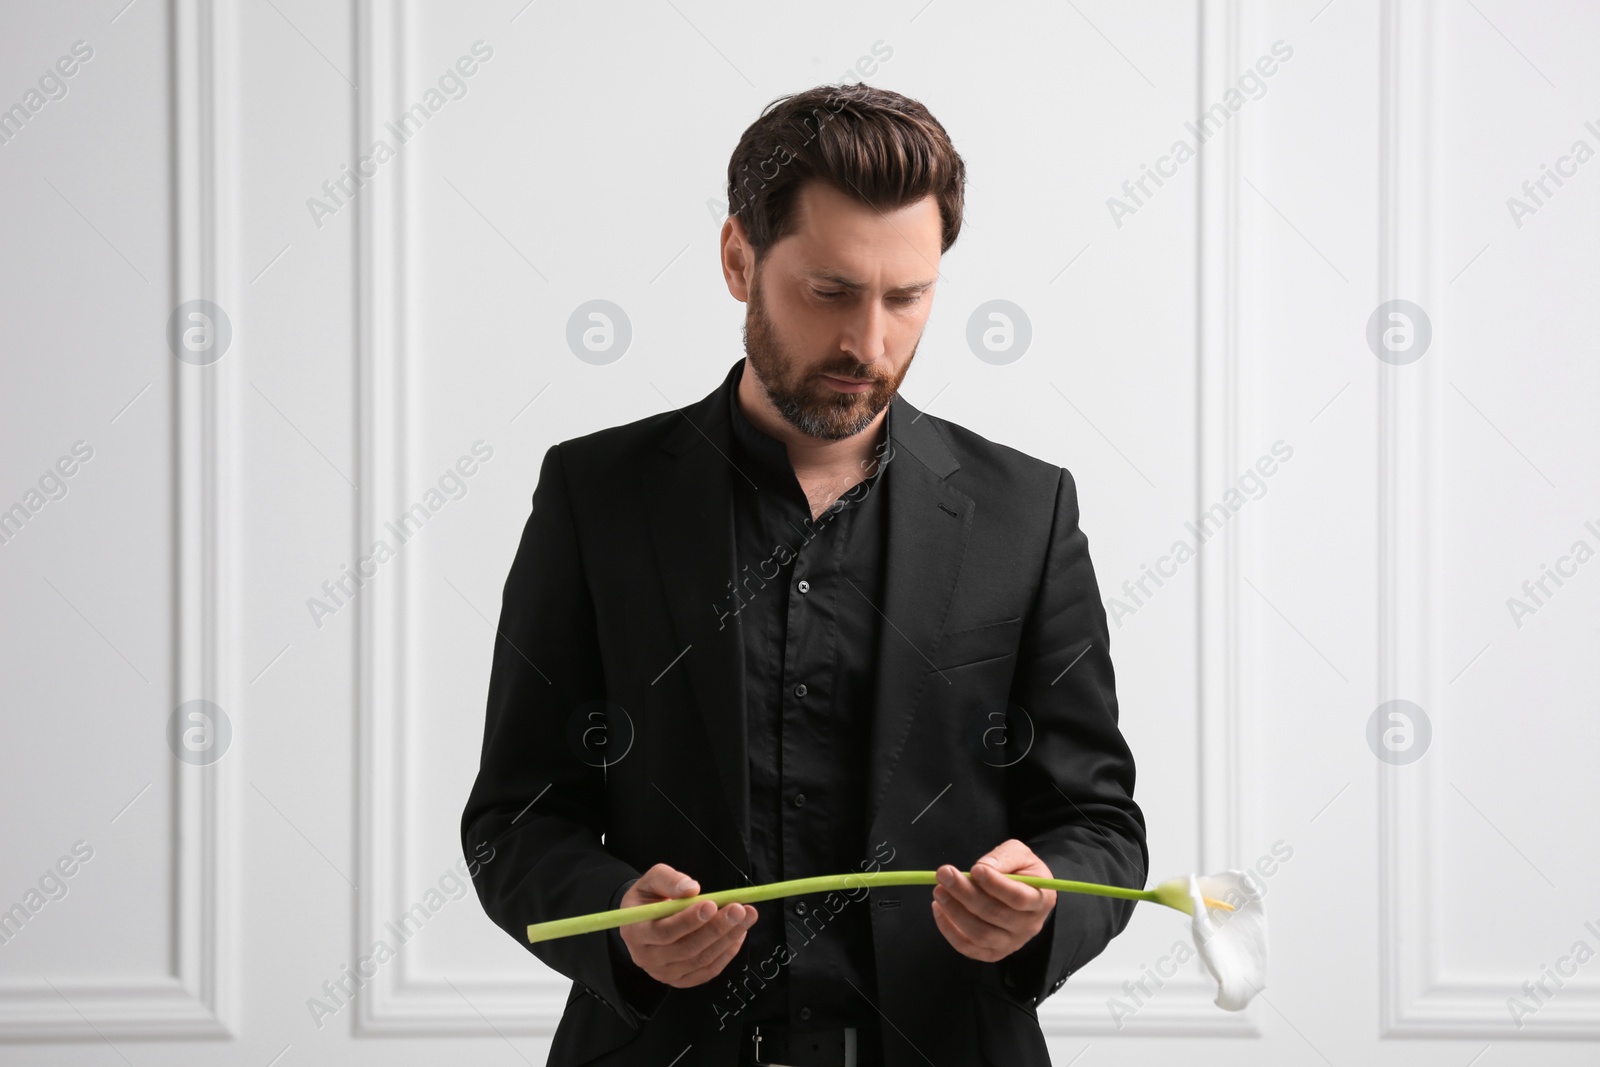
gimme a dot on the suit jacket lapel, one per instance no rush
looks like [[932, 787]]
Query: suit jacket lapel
[[929, 524], [691, 519]]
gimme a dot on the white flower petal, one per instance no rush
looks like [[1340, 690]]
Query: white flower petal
[[1232, 944]]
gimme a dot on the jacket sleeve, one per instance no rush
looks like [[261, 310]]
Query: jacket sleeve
[[536, 800], [1071, 795], [642, 992]]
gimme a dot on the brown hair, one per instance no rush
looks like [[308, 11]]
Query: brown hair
[[882, 148]]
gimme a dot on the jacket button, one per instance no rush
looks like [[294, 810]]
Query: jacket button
[[804, 586], [800, 690], [799, 800]]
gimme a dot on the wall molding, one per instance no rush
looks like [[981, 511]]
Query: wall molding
[[396, 1001], [1184, 1006], [197, 998], [1415, 999]]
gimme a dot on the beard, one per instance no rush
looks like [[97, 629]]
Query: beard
[[797, 390]]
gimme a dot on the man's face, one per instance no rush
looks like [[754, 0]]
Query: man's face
[[836, 309]]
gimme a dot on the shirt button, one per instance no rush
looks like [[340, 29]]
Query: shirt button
[[799, 800], [800, 908], [805, 1013], [804, 586], [800, 690]]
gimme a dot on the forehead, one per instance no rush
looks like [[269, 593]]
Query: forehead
[[836, 232]]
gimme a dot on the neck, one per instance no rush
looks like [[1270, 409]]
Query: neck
[[810, 455]]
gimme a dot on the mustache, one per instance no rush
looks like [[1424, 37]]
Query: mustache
[[852, 375]]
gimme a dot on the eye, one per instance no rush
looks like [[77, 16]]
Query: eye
[[828, 294], [906, 301]]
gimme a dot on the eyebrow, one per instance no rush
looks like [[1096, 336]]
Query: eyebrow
[[846, 282]]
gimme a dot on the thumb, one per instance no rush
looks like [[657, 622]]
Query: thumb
[[1009, 855], [668, 882]]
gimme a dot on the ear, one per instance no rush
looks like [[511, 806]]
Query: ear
[[738, 259]]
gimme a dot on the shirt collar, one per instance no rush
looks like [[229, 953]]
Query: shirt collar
[[773, 453]]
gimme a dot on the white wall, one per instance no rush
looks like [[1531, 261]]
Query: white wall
[[375, 341]]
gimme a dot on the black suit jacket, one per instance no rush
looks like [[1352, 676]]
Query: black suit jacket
[[612, 606]]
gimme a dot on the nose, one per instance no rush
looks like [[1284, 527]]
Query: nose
[[866, 336]]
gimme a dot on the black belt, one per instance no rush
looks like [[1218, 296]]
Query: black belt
[[778, 1044]]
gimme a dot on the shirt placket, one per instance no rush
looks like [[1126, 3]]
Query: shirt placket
[[807, 737]]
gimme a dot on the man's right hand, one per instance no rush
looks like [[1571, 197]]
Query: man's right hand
[[691, 946]]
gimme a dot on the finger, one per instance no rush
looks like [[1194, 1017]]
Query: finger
[[1009, 855], [662, 882], [990, 880], [729, 919], [697, 956], [976, 900], [704, 974], [954, 934], [670, 928], [975, 927], [712, 967]]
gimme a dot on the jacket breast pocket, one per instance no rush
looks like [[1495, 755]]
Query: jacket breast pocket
[[973, 645]]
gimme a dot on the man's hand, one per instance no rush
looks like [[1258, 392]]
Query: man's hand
[[689, 947], [989, 916]]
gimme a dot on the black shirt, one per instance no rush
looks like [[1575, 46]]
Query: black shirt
[[807, 610], [807, 601]]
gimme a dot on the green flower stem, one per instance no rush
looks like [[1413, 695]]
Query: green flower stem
[[1172, 894]]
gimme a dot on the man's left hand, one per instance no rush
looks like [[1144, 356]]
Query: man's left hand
[[989, 916]]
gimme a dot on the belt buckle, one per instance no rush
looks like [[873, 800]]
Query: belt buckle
[[850, 1053]]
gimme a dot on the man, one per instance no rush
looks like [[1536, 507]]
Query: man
[[801, 628]]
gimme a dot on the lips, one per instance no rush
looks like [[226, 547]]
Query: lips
[[854, 385]]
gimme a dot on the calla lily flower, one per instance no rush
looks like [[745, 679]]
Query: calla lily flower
[[1232, 943], [1227, 914], [1228, 917]]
